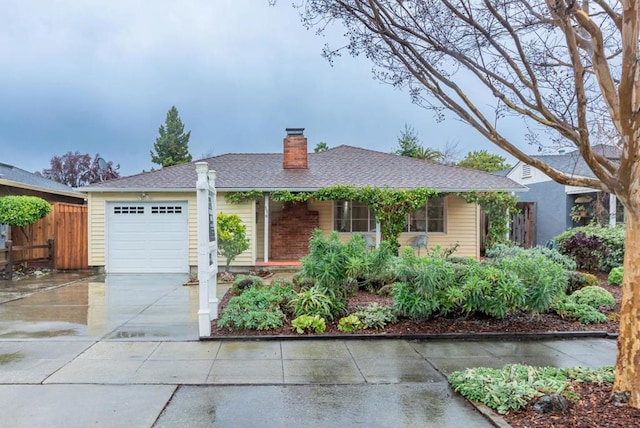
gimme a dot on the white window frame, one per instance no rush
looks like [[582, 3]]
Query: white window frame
[[349, 206], [425, 210]]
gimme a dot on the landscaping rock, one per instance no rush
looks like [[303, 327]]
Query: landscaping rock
[[553, 403]]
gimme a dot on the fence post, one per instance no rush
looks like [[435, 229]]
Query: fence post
[[9, 267], [52, 253]]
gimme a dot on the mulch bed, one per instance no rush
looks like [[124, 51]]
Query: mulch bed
[[593, 409]]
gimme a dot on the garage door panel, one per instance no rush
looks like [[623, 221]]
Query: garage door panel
[[147, 237]]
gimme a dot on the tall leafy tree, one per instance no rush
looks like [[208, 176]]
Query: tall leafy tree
[[172, 145], [321, 147], [484, 161], [558, 66], [77, 169], [409, 145]]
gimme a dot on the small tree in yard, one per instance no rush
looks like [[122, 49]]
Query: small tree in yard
[[22, 210], [232, 240], [557, 66], [172, 145]]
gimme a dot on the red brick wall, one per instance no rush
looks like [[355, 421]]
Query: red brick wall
[[295, 152], [291, 230]]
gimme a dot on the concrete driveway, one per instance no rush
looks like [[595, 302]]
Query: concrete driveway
[[140, 307]]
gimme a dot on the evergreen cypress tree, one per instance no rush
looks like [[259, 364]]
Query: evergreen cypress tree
[[172, 145]]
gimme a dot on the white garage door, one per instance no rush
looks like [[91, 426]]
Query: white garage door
[[147, 237]]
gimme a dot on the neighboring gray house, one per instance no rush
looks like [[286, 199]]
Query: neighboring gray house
[[552, 202], [16, 181]]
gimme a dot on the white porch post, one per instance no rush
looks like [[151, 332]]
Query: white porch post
[[378, 234], [207, 248], [266, 227]]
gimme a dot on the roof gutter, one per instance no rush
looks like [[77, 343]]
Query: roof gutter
[[12, 183], [272, 189]]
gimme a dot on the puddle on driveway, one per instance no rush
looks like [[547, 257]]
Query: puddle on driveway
[[102, 305]]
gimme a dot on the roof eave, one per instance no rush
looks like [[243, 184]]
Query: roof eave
[[20, 185]]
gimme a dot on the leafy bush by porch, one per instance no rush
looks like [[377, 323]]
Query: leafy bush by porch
[[611, 237]]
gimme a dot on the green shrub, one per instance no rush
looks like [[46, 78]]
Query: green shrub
[[308, 322], [341, 268], [544, 279], [256, 309], [375, 316], [489, 290], [423, 281], [580, 312], [612, 237], [507, 251], [232, 237], [577, 280], [407, 302], [593, 296], [244, 282], [282, 282], [515, 385], [350, 323], [615, 276], [313, 301]]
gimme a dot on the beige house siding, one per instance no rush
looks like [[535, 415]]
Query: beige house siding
[[247, 213], [97, 220], [462, 227]]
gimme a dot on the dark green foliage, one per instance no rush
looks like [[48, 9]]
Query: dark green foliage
[[375, 316], [282, 282], [491, 291], [543, 279], [338, 269], [612, 237], [577, 280], [583, 313], [593, 296], [172, 145], [256, 309], [423, 281], [312, 301], [615, 276], [587, 251], [243, 282]]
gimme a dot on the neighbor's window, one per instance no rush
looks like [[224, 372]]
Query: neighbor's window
[[351, 216], [429, 218]]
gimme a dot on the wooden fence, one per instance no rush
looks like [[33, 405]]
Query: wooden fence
[[66, 225]]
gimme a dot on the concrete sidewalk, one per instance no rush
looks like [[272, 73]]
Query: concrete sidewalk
[[252, 383], [122, 351]]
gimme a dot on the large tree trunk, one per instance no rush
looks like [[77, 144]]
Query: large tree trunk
[[627, 372]]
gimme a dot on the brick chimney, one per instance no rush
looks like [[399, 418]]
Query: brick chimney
[[295, 149]]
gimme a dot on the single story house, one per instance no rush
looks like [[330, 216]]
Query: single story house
[[552, 203], [18, 182], [147, 222]]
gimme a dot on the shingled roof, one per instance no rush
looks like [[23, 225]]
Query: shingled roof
[[573, 164], [345, 165], [13, 176]]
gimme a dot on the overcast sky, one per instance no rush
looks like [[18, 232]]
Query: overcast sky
[[99, 77]]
